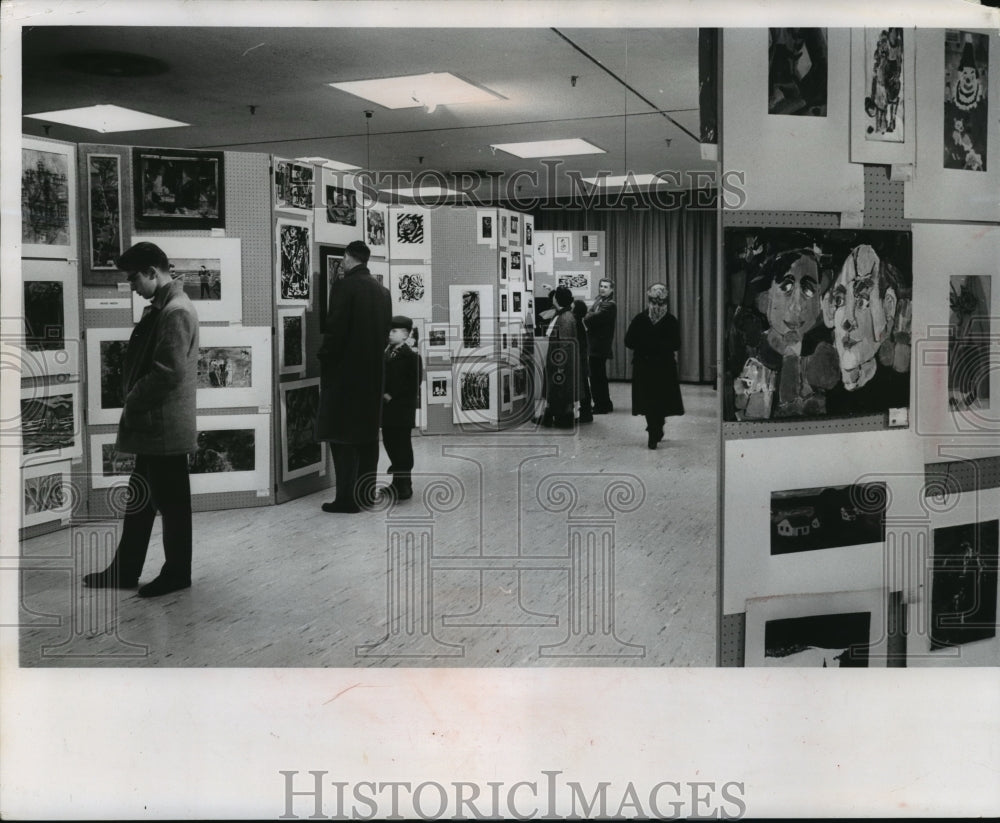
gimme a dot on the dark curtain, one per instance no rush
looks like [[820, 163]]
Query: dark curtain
[[650, 245]]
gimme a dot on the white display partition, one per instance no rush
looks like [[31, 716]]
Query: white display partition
[[756, 468], [339, 216], [938, 193], [48, 199], [866, 121], [222, 299], [54, 345], [942, 252], [793, 163]]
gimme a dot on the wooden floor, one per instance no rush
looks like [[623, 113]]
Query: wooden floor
[[528, 548]]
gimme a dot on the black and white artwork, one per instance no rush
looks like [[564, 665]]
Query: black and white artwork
[[504, 266], [47, 493], [223, 367], [342, 206], [50, 422], [47, 200], [51, 324], [964, 584], [486, 227], [520, 382], [112, 361], [178, 189], [475, 391], [438, 387], [966, 101], [515, 264], [224, 450], [234, 367], [529, 233], [797, 61], [105, 211], [44, 315], [410, 287], [293, 186], [826, 641], [817, 322], [108, 466], [291, 341], [294, 261], [823, 518], [969, 342], [411, 233], [302, 453], [708, 86], [375, 229], [884, 79], [233, 453]]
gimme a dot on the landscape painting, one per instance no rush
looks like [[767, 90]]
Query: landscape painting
[[964, 584], [224, 450], [827, 641], [822, 518], [50, 422]]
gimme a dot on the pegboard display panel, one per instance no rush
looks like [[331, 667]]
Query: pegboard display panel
[[732, 641], [754, 429], [957, 476], [883, 200]]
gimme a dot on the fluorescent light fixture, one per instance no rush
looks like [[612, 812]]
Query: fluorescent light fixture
[[426, 191], [336, 165], [409, 91], [621, 180], [107, 118], [549, 148]]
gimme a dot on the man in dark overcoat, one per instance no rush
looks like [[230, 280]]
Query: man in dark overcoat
[[600, 323], [351, 372], [158, 426]]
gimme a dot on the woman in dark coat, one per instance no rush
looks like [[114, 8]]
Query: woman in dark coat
[[561, 362], [654, 338]]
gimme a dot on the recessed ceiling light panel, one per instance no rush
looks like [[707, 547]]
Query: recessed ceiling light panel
[[107, 119], [549, 148], [409, 91], [336, 165]]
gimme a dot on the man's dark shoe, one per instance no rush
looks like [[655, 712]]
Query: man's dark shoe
[[340, 507], [109, 579], [164, 585]]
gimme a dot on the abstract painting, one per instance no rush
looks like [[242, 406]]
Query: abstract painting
[[520, 382], [108, 466], [210, 269], [294, 263], [375, 236], [331, 267], [486, 227], [341, 206], [105, 359], [233, 453], [302, 453], [504, 266], [969, 342], [411, 233], [178, 189], [105, 213], [884, 110], [48, 199], [291, 341], [410, 287], [293, 186], [966, 101], [964, 584], [817, 322], [50, 423], [515, 264], [474, 390], [506, 391], [797, 64], [225, 450], [234, 367], [578, 282], [809, 519], [514, 235], [471, 313], [44, 315], [47, 493], [438, 387], [51, 318]]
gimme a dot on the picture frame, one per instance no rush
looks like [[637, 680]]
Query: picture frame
[[486, 227], [47, 493], [883, 100], [301, 453], [292, 340], [105, 357], [475, 395], [504, 268], [514, 229], [377, 230], [233, 454], [178, 189], [410, 287], [440, 341], [50, 340], [562, 245], [409, 233], [438, 388], [293, 262], [294, 186], [220, 299], [339, 217], [824, 630], [331, 265], [516, 266], [48, 199], [529, 233], [234, 367], [50, 423], [472, 314], [104, 212], [108, 466], [506, 390]]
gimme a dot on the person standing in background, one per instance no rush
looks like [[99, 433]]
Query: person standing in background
[[583, 348], [351, 370], [654, 337], [399, 405], [600, 322]]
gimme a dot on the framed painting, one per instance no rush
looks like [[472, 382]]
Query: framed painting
[[294, 263], [339, 219], [969, 339], [504, 267], [376, 228], [210, 269], [806, 298], [441, 339], [883, 103], [104, 215], [46, 493], [829, 630], [293, 186], [178, 189], [797, 71], [486, 227], [302, 454], [331, 266], [963, 605], [471, 312], [292, 340], [514, 230], [519, 381], [529, 233], [105, 360], [529, 273], [50, 423], [51, 318], [108, 466], [504, 218], [506, 391], [409, 233], [234, 367], [516, 264], [411, 290], [438, 388], [48, 199], [562, 245], [233, 454], [476, 393], [805, 520]]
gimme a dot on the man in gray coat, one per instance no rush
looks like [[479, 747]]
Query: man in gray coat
[[350, 401], [159, 382]]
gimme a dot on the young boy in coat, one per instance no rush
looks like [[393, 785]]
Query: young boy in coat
[[399, 405]]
